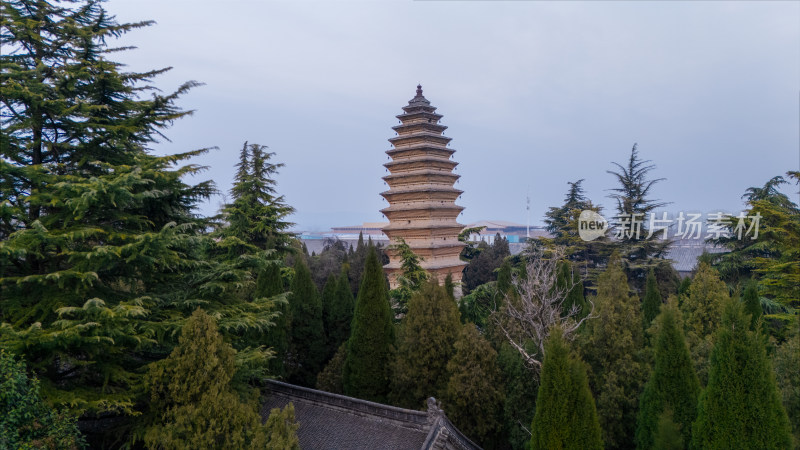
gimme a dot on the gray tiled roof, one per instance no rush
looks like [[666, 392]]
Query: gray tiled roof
[[331, 421], [685, 253]]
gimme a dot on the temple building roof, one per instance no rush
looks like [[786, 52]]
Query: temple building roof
[[332, 421]]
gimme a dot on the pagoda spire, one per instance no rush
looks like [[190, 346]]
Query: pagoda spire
[[421, 196]]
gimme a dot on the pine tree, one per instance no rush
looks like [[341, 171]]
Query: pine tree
[[370, 347], [673, 385], [26, 421], [504, 285], [613, 348], [786, 361], [565, 411], [98, 241], [424, 347], [640, 252], [269, 284], [308, 334], [740, 407], [562, 224], [651, 304], [411, 278], [702, 310], [752, 304], [192, 402], [473, 397]]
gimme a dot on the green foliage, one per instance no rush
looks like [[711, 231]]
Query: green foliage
[[26, 421], [562, 223], [774, 257], [330, 379], [613, 347], [741, 406], [268, 285], [702, 310], [307, 346], [370, 347], [683, 288], [668, 433], [574, 299], [504, 285], [651, 304], [752, 304], [565, 411], [257, 214], [338, 305], [282, 429], [787, 360], [192, 402], [473, 398], [481, 269], [640, 253], [673, 387], [424, 347], [411, 278], [520, 388], [478, 305]]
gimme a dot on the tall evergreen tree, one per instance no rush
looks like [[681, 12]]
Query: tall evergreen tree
[[566, 417], [740, 407], [786, 361], [561, 223], [424, 347], [269, 284], [702, 311], [341, 312], [520, 388], [411, 278], [641, 250], [307, 346], [193, 402], [473, 397], [752, 304], [613, 347], [98, 242], [371, 344], [673, 385], [651, 303], [328, 300]]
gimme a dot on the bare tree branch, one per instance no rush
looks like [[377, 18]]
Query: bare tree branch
[[535, 306]]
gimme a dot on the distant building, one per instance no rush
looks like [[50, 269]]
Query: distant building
[[512, 232], [331, 421], [421, 196]]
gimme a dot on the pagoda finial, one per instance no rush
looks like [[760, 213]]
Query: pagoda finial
[[419, 90]]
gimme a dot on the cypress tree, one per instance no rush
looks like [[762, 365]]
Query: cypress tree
[[668, 433], [740, 407], [191, 398], [330, 379], [341, 313], [307, 332], [473, 397], [424, 347], [565, 411], [504, 285], [752, 304], [673, 385], [282, 429], [651, 304], [520, 386], [702, 310], [683, 288], [370, 347], [328, 301], [449, 287], [613, 348], [270, 284]]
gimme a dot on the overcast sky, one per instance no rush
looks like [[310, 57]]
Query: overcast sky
[[535, 94]]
